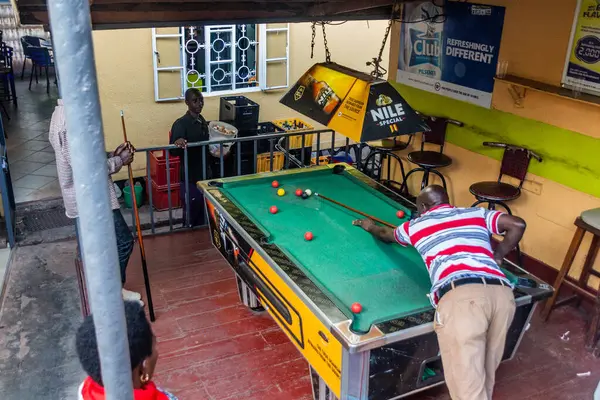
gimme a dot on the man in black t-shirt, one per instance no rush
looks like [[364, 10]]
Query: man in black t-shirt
[[190, 128]]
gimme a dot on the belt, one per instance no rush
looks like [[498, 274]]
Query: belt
[[466, 281]]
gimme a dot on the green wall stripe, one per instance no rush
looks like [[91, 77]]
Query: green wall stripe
[[569, 158]]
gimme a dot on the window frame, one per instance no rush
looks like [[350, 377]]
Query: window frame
[[262, 61]]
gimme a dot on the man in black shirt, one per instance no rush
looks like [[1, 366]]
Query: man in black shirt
[[190, 128]]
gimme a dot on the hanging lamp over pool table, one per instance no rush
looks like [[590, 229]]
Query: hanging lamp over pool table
[[357, 105]]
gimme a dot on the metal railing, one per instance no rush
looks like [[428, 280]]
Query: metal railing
[[218, 167]]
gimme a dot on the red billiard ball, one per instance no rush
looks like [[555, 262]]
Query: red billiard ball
[[299, 192], [356, 308], [273, 210], [308, 236], [275, 184], [400, 214]]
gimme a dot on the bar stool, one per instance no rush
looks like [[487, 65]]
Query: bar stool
[[428, 161], [380, 154], [515, 163], [588, 222]]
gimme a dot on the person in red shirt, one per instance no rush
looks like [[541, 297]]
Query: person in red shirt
[[142, 351]]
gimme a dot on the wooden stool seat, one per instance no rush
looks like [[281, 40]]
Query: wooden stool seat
[[592, 217], [589, 221]]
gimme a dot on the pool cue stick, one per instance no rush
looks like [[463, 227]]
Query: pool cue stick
[[139, 230], [356, 211]]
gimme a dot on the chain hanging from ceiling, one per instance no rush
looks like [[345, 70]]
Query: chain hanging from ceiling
[[312, 42], [378, 70]]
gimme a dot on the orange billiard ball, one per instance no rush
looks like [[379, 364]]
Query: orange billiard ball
[[356, 308], [400, 214]]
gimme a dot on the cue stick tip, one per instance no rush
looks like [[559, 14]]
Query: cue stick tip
[[122, 113]]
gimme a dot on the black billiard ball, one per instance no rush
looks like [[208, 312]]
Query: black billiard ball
[[304, 196]]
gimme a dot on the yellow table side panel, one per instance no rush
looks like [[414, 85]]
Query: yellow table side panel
[[305, 330]]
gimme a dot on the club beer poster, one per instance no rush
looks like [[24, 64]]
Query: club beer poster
[[582, 67], [451, 50]]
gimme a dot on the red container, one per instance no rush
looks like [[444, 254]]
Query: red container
[[160, 196], [158, 168]]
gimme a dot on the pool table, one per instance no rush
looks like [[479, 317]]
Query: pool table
[[387, 350]]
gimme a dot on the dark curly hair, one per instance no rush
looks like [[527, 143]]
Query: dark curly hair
[[139, 335]]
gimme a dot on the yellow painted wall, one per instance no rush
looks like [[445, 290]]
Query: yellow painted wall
[[534, 42], [125, 74]]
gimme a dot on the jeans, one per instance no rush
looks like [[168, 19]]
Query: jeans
[[197, 214], [124, 241]]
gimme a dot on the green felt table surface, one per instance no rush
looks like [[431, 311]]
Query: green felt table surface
[[347, 263]]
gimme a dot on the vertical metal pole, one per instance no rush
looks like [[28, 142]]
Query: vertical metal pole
[[186, 187], [72, 40], [239, 158], [332, 143], [221, 161], [255, 155], [287, 151], [318, 148], [149, 190], [169, 202], [303, 149], [271, 153], [203, 162]]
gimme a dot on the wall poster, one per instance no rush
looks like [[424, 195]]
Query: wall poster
[[582, 69], [451, 50]]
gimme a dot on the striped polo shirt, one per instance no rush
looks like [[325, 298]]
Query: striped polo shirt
[[454, 243]]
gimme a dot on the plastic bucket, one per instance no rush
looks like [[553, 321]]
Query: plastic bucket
[[127, 195]]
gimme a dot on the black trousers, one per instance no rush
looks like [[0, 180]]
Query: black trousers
[[124, 241]]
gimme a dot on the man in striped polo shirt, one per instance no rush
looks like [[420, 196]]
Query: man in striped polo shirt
[[473, 298]]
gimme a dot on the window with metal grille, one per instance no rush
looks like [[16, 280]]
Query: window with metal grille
[[220, 59]]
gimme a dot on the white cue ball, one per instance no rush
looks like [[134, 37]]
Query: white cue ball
[[308, 192]]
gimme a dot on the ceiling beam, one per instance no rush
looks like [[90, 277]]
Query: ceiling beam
[[113, 14]]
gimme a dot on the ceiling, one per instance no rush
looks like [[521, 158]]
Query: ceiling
[[114, 14]]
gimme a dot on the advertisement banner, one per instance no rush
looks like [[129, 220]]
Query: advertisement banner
[[352, 103], [582, 69], [451, 50]]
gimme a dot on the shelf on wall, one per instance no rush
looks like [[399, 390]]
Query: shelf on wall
[[518, 88]]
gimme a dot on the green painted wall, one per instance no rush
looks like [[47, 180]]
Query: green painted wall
[[569, 158]]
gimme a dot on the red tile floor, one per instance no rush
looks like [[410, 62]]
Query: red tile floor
[[212, 347]]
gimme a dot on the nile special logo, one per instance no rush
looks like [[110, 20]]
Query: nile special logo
[[388, 114], [383, 100], [426, 48], [299, 93]]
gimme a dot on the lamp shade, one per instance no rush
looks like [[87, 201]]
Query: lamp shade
[[356, 105]]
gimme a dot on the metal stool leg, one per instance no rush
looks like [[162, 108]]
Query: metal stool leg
[[399, 161], [505, 206], [372, 158], [404, 186], [425, 180], [438, 174], [478, 202]]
